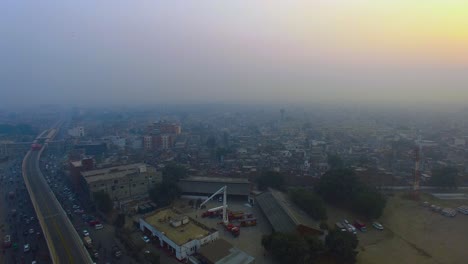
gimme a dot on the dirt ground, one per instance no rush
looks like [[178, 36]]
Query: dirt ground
[[413, 234]]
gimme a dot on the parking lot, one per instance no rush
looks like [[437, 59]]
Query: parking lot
[[416, 234]]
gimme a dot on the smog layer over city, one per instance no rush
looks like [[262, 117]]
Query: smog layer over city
[[234, 132]]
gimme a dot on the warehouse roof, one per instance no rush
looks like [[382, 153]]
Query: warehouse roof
[[279, 219], [115, 172], [222, 252], [283, 214], [209, 185]]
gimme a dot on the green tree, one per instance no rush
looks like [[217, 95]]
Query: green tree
[[369, 203], [310, 202], [444, 177], [287, 248], [173, 172], [341, 187], [338, 186], [103, 201], [316, 247], [342, 246], [163, 194], [270, 179]]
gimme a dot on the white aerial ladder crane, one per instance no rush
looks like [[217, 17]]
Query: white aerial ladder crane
[[224, 206]]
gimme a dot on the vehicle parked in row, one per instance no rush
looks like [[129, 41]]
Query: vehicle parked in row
[[377, 226], [360, 225]]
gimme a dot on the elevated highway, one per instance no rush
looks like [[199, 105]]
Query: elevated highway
[[64, 243]]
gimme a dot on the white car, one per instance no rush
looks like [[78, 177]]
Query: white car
[[85, 232], [76, 206], [98, 226], [27, 248], [146, 239], [377, 225]]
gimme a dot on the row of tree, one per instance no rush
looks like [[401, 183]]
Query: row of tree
[[294, 248], [164, 193], [310, 202], [341, 187]]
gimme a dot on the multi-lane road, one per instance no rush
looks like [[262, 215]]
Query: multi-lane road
[[64, 243]]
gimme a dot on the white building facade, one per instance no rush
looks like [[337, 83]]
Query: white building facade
[[180, 251]]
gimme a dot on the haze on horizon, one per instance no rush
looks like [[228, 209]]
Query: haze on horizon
[[88, 52]]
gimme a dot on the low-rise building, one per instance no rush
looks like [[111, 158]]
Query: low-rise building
[[206, 186], [180, 234], [122, 183], [223, 252]]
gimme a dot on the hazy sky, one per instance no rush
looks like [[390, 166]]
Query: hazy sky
[[233, 51]]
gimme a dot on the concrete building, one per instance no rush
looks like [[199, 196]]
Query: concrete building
[[122, 183], [77, 132], [223, 252], [206, 186], [148, 142], [181, 235], [76, 168]]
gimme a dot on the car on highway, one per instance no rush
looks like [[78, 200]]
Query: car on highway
[[85, 232], [26, 248], [98, 226], [75, 206], [116, 251], [31, 231], [377, 226], [146, 239], [7, 241]]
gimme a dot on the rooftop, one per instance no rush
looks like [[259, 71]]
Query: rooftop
[[114, 172], [222, 252], [216, 179], [181, 234], [282, 213]]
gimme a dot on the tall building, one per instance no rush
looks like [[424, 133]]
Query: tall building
[[161, 135], [122, 183], [77, 132]]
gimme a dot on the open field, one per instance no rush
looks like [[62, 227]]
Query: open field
[[413, 234]]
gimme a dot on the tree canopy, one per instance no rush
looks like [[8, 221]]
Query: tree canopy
[[103, 201], [270, 179], [173, 172], [444, 177], [310, 202], [338, 185], [342, 246], [292, 248], [164, 193], [341, 187]]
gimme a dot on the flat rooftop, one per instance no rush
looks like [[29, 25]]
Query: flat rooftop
[[215, 179], [113, 172], [180, 235]]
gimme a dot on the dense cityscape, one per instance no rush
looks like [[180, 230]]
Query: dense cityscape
[[224, 184], [234, 132]]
